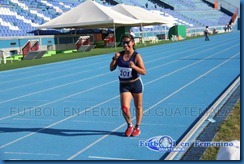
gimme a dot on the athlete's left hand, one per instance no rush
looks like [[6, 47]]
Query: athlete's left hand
[[131, 64]]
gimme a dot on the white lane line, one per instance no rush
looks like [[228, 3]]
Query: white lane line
[[26, 153], [14, 159], [47, 80], [33, 93], [150, 124], [159, 102], [211, 111], [104, 67], [73, 74], [80, 66], [193, 55], [109, 158], [183, 52], [199, 77], [59, 86], [45, 74], [100, 138], [68, 63], [115, 81], [95, 142], [102, 85], [152, 81], [44, 67], [185, 49], [30, 100], [78, 93], [104, 122], [56, 123], [31, 119]]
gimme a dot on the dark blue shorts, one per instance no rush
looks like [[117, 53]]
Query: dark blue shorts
[[133, 87]]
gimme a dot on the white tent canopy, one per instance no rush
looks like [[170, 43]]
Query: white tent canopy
[[90, 14], [144, 16]]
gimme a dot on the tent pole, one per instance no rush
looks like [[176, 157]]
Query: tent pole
[[142, 36], [165, 37], [115, 43]]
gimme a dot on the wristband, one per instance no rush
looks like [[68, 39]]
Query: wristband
[[113, 58]]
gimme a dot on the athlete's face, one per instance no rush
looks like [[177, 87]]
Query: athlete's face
[[128, 43]]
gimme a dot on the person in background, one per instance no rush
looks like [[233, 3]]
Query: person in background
[[130, 65], [226, 27], [146, 5], [132, 33], [206, 33], [215, 31]]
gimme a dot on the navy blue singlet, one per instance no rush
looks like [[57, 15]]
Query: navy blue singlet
[[125, 72]]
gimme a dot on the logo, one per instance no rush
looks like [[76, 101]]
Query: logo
[[160, 144], [167, 144]]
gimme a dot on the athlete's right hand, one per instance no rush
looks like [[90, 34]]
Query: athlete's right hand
[[117, 55]]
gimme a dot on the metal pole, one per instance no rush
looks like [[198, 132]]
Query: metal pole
[[165, 37], [115, 41]]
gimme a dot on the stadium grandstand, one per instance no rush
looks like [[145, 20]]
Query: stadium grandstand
[[19, 21]]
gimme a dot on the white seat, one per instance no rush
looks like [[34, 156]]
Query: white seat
[[3, 56]]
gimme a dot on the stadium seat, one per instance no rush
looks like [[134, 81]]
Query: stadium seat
[[192, 13], [4, 55]]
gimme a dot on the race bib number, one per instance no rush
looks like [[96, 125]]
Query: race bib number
[[125, 73]]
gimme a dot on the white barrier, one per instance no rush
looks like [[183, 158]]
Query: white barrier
[[3, 56]]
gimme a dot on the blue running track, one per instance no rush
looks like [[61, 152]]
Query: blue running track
[[71, 110]]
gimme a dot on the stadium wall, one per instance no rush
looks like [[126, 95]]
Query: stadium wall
[[14, 45]]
